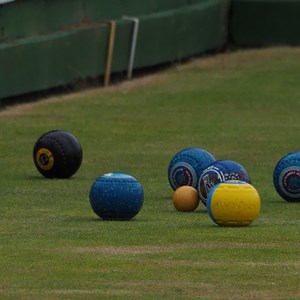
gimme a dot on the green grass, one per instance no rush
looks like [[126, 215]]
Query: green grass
[[242, 106]]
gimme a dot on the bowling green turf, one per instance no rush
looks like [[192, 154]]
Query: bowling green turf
[[243, 106]]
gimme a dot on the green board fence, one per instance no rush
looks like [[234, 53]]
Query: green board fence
[[51, 43], [24, 18], [47, 52]]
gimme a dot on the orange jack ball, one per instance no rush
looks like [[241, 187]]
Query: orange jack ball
[[185, 198]]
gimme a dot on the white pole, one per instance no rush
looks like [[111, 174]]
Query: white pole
[[133, 44]]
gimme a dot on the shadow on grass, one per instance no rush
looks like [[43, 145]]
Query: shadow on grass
[[201, 209], [95, 219], [213, 225], [42, 178], [282, 202]]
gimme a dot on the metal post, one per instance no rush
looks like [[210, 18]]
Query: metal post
[[133, 44], [110, 51]]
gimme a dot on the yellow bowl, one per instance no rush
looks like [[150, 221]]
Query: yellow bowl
[[233, 203]]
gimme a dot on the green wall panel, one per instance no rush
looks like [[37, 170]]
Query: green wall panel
[[265, 22], [50, 61], [24, 18], [34, 17], [177, 34], [118, 8], [57, 48]]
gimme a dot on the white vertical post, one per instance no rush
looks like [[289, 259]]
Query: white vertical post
[[133, 44]]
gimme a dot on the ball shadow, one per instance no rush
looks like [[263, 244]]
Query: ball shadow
[[42, 178], [135, 220]]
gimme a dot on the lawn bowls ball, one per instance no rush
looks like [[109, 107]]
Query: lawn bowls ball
[[233, 203], [186, 167], [185, 198], [220, 171], [286, 177], [116, 196], [57, 154]]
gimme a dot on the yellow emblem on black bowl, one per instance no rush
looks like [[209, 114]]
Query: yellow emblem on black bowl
[[44, 159]]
